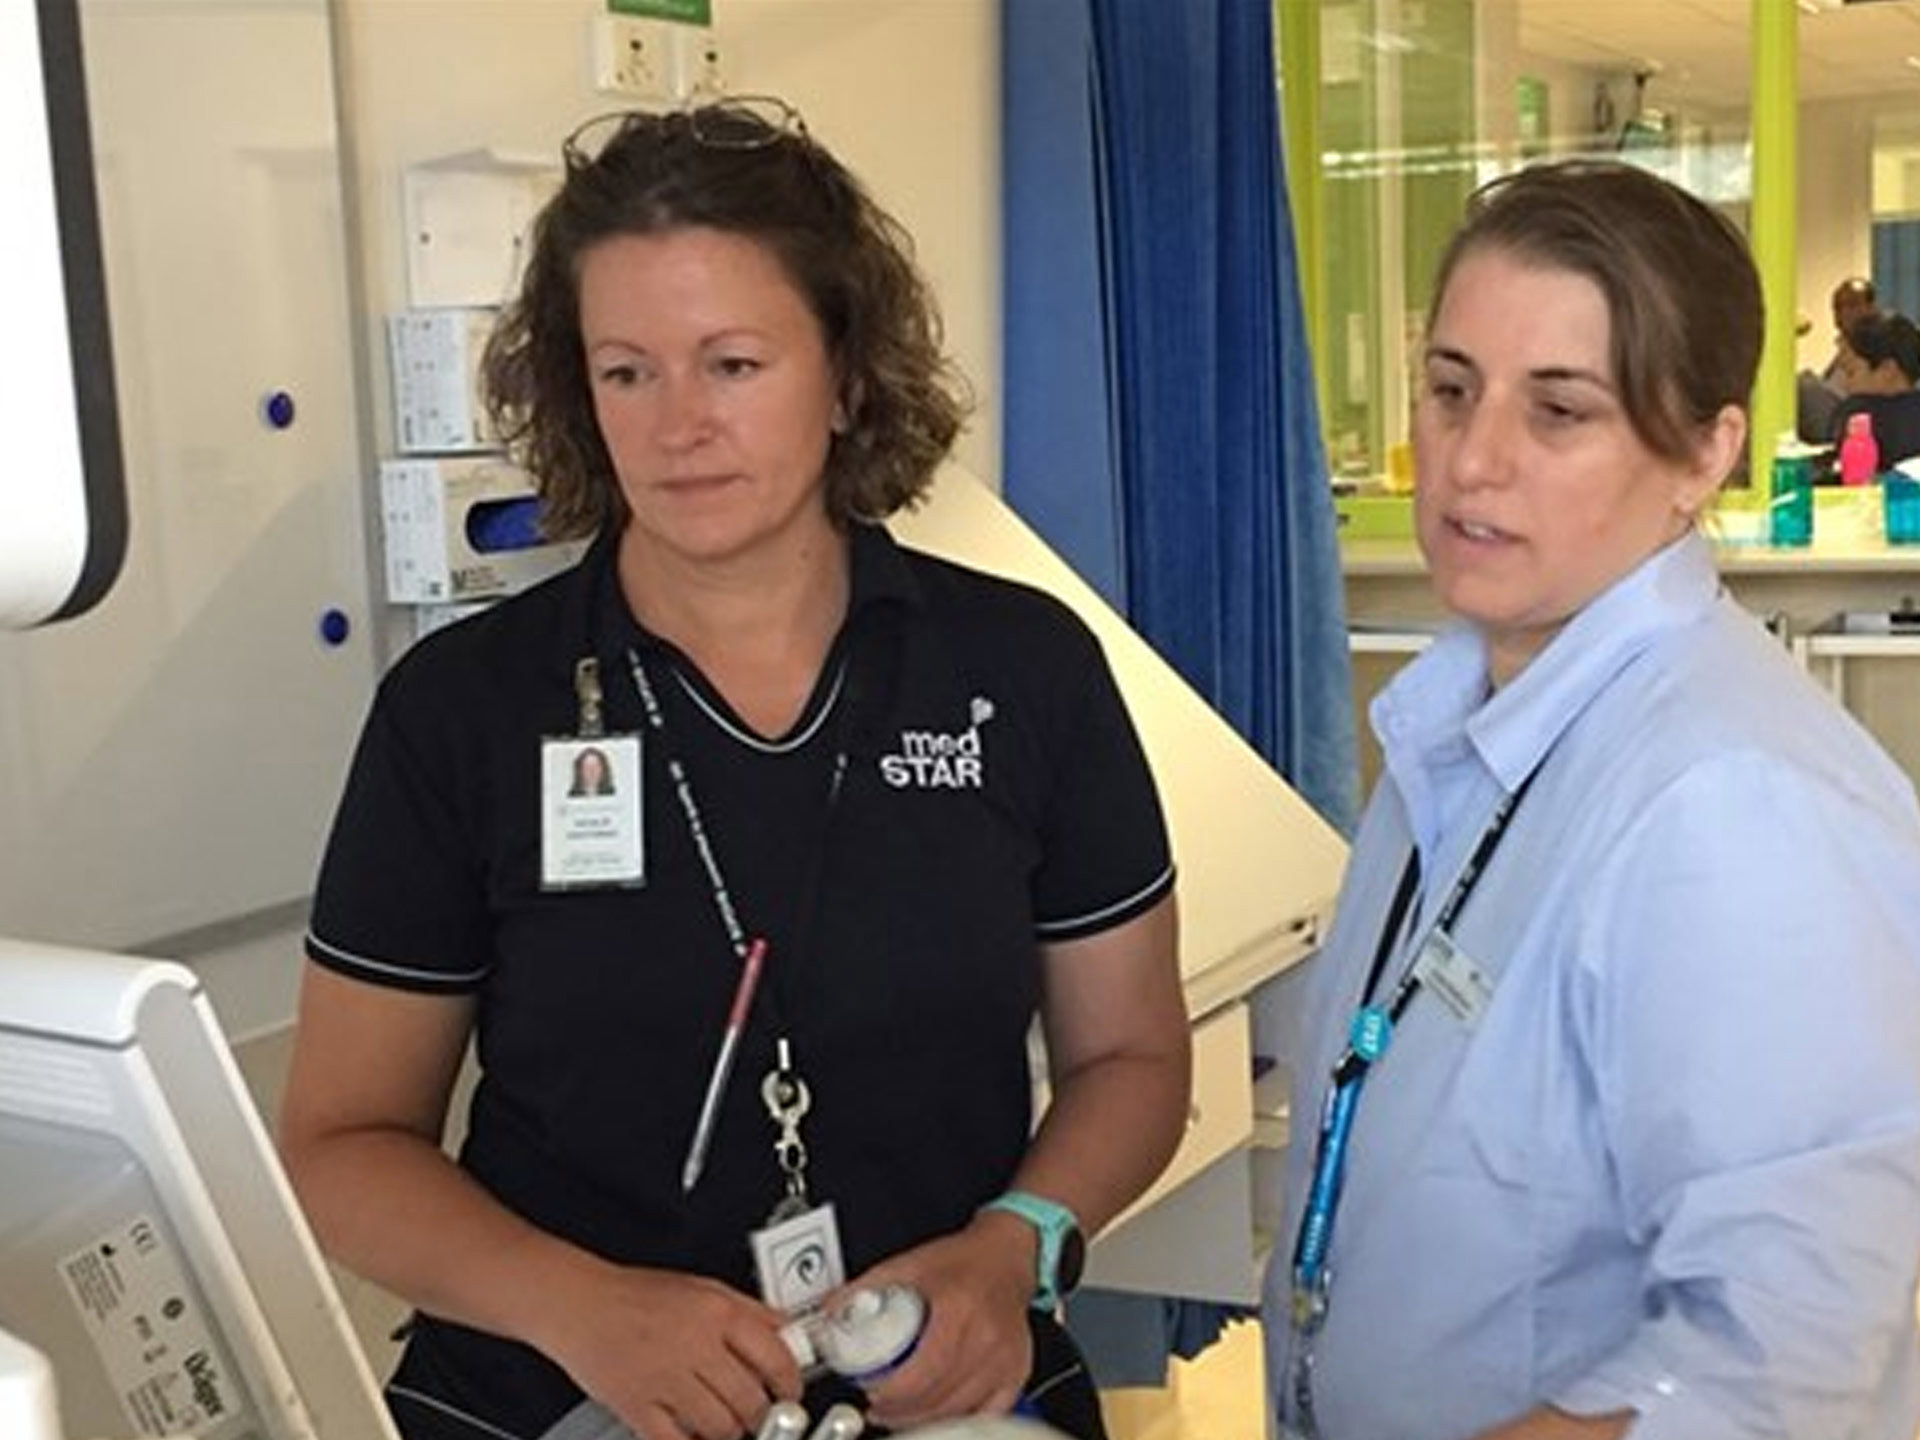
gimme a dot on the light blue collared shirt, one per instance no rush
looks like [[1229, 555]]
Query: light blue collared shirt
[[1673, 1164]]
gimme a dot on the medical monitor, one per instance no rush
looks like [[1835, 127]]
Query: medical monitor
[[150, 1246], [63, 509]]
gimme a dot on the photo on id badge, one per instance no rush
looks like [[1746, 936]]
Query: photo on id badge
[[590, 791]]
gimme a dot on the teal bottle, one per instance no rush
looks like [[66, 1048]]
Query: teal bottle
[[1790, 511]]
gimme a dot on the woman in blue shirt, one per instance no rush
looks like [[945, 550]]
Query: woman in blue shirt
[[1617, 1033]]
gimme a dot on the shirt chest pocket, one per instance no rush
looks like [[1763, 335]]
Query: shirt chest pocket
[[1487, 1113]]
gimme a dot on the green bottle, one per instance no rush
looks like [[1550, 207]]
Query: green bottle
[[1790, 511]]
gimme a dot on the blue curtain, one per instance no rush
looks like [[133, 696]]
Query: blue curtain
[[1143, 165], [1059, 471], [1896, 265]]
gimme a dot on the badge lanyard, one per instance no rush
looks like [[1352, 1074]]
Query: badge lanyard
[[1368, 1037], [783, 1091]]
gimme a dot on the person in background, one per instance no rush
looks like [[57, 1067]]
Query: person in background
[[1853, 300], [1615, 1040], [1815, 404], [892, 810], [1817, 397], [1878, 374]]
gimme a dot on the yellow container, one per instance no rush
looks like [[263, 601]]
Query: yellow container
[[1374, 517], [1849, 515], [1400, 468]]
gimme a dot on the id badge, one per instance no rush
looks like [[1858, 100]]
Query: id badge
[[590, 809], [1449, 972], [799, 1259]]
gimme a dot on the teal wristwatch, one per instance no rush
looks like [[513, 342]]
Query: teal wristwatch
[[1063, 1250]]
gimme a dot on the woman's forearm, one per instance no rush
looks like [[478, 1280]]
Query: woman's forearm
[[1108, 1132], [396, 1210]]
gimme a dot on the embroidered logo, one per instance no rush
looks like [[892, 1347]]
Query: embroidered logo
[[936, 760]]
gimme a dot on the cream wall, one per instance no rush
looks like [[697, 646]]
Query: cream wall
[[904, 91], [1835, 214]]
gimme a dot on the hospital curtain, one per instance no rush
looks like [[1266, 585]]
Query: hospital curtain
[[1161, 423]]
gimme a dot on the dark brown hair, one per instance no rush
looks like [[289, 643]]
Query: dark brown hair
[[1878, 338], [746, 167], [1682, 294]]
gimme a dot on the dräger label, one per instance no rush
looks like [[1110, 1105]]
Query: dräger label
[[150, 1333]]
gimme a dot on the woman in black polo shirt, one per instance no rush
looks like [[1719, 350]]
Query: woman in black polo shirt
[[754, 1023]]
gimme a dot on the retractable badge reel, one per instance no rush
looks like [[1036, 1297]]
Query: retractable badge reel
[[797, 1252]]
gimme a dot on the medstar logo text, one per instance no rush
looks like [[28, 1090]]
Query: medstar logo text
[[940, 760]]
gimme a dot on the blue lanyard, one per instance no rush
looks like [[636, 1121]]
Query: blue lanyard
[[1367, 1040]]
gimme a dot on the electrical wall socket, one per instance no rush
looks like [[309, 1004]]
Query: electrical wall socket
[[703, 67], [636, 57]]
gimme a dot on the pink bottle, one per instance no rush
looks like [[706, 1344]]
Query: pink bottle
[[1859, 454]]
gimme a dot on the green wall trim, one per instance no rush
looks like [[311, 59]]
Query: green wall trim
[[1776, 188], [1297, 33]]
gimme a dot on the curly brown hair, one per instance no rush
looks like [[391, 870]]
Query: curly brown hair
[[745, 166]]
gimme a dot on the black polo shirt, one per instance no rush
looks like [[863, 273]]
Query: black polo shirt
[[994, 797]]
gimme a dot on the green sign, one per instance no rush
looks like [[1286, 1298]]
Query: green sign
[[687, 12], [1535, 110]]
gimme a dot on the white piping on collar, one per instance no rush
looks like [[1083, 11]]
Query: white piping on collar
[[747, 737]]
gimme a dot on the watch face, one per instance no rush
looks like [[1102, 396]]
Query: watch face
[[1073, 1259]]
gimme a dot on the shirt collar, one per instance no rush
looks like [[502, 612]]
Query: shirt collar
[[878, 574], [878, 571], [1439, 708]]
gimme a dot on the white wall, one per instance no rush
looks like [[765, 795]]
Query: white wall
[[163, 758], [1835, 214], [904, 91]]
